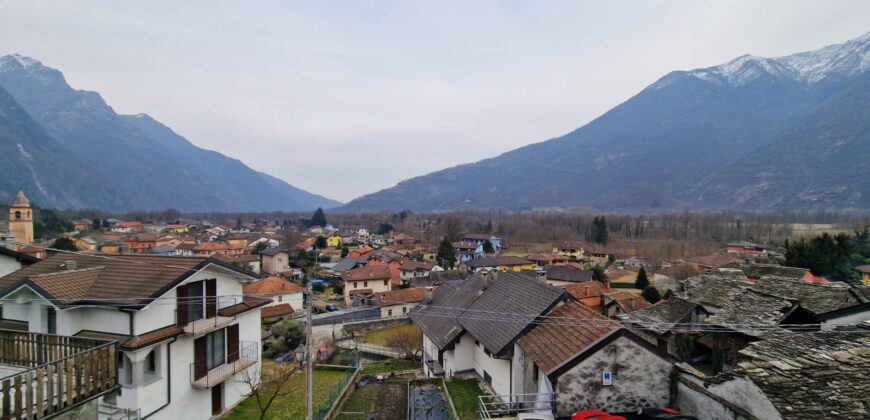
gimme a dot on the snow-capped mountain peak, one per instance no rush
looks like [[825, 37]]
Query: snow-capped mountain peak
[[17, 61]]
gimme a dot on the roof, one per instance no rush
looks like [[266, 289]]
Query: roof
[[20, 200], [569, 245], [21, 257], [402, 296], [863, 268], [566, 273], [479, 236], [713, 260], [546, 257], [714, 288], [518, 300], [127, 279], [465, 245], [211, 246], [627, 301], [247, 303], [815, 297], [163, 248], [586, 289], [276, 310], [271, 286], [496, 261], [812, 375], [348, 264], [439, 319], [662, 316], [759, 270], [413, 265], [369, 272], [555, 341], [271, 252], [752, 307]]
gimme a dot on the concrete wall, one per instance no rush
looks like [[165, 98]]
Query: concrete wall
[[461, 358], [738, 398], [498, 369], [850, 319], [640, 379]]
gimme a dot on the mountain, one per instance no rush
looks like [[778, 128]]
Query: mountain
[[130, 162], [693, 137]]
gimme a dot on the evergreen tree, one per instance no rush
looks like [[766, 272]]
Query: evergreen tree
[[598, 273], [344, 251], [651, 294], [668, 294], [64, 244], [96, 224], [320, 242], [599, 230], [319, 218], [488, 248], [642, 281], [384, 228], [446, 256]]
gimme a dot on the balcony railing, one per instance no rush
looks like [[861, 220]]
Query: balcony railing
[[202, 377], [44, 375], [206, 325], [495, 406]]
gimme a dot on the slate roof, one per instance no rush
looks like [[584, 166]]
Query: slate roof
[[439, 319], [348, 264], [759, 270], [566, 273], [507, 308], [437, 278], [817, 298], [753, 307], [555, 341], [812, 375], [663, 315], [714, 288]]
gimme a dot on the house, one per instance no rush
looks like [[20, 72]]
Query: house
[[410, 269], [467, 251], [363, 283], [458, 338], [663, 323], [401, 239], [400, 301], [498, 263], [114, 247], [707, 262], [184, 334], [141, 243], [177, 228], [348, 264], [166, 250], [393, 263], [563, 275], [82, 225], [746, 248], [591, 364], [864, 271], [570, 249], [278, 290], [86, 244], [275, 260], [333, 241], [543, 260], [11, 261], [481, 238], [621, 302], [207, 249], [787, 376], [360, 252], [127, 227], [590, 293]]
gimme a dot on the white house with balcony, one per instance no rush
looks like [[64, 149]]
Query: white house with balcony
[[184, 333]]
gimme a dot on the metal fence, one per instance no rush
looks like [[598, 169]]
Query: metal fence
[[321, 411], [494, 406]]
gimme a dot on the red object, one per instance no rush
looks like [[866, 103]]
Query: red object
[[594, 415], [670, 410]]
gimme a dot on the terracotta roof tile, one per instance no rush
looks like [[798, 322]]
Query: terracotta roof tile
[[276, 310], [402, 296], [369, 272], [272, 286]]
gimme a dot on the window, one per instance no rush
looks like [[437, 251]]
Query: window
[[404, 310], [365, 284], [280, 298], [354, 285], [52, 320], [385, 282], [389, 312], [17, 215], [195, 302], [151, 362], [216, 347]]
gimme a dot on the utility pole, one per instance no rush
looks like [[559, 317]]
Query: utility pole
[[308, 359]]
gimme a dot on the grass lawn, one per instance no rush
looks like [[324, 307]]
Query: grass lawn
[[380, 336], [464, 393], [391, 365], [291, 406]]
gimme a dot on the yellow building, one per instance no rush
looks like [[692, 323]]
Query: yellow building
[[568, 249], [21, 220], [333, 241], [864, 271], [500, 263], [177, 229]]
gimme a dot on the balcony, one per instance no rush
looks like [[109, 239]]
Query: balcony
[[202, 377], [44, 375], [508, 406], [208, 324]]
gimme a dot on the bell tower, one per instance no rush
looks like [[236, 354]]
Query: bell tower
[[21, 220]]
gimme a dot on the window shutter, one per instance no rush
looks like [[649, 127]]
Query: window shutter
[[211, 298], [181, 306], [200, 357], [232, 343]]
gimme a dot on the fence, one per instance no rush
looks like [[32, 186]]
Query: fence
[[322, 412]]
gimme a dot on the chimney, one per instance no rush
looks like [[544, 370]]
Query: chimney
[[427, 299], [69, 265]]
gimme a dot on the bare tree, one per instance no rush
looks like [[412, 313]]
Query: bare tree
[[407, 341], [269, 384], [454, 227]]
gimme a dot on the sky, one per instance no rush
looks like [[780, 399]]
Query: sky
[[344, 98]]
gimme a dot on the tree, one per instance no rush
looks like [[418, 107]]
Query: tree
[[598, 273], [320, 242], [239, 223], [96, 224], [265, 386], [407, 341], [454, 226], [344, 251], [668, 294], [259, 247], [337, 287], [301, 257], [487, 247], [446, 255], [288, 334], [651, 294], [318, 288], [64, 244], [599, 230], [384, 228], [105, 224], [318, 218], [642, 281]]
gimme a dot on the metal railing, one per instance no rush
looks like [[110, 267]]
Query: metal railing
[[58, 373], [208, 324], [204, 376], [494, 406]]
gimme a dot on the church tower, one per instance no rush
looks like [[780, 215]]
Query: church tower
[[21, 220]]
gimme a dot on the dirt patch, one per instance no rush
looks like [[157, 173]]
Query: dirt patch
[[385, 401]]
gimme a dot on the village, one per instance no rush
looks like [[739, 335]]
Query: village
[[183, 318]]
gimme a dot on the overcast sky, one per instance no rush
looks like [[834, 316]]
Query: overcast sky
[[344, 98]]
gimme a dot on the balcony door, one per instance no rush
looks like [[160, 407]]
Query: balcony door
[[195, 301], [217, 348]]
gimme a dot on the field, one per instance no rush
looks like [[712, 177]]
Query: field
[[380, 336], [464, 393], [388, 400], [387, 366], [291, 406]]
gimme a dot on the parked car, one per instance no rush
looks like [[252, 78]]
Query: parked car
[[285, 357], [595, 415]]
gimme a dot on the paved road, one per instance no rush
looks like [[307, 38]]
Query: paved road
[[341, 317]]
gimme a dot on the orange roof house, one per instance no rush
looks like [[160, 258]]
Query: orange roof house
[[271, 286]]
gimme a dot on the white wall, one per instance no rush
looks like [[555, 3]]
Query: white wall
[[294, 299], [850, 319], [8, 265], [498, 369], [740, 392], [397, 310], [461, 358]]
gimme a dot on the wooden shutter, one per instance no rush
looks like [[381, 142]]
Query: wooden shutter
[[181, 306], [211, 298], [200, 357], [232, 343]]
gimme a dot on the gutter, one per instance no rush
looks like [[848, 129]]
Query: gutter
[[168, 378]]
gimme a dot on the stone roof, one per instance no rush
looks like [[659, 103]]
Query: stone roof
[[812, 375], [439, 319], [760, 270], [20, 200], [555, 341], [662, 316], [713, 260], [753, 307], [566, 273], [516, 301], [715, 288], [817, 298]]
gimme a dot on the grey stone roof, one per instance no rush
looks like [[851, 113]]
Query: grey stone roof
[[517, 300], [348, 264], [439, 318], [815, 298], [812, 375], [760, 270], [663, 315], [715, 288], [566, 273], [752, 307], [437, 278]]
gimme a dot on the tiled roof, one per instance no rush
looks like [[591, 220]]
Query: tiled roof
[[276, 310], [18, 255], [401, 296], [211, 246], [627, 301], [271, 286], [812, 375], [248, 303], [815, 297], [20, 200], [863, 268], [555, 341], [271, 252], [713, 260], [412, 265], [152, 337], [586, 289], [497, 261], [369, 272], [661, 317], [348, 264], [439, 319], [68, 285], [566, 273], [517, 301], [751, 307]]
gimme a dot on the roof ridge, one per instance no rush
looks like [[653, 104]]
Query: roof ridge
[[77, 270]]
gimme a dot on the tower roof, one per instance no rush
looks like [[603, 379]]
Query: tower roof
[[21, 200]]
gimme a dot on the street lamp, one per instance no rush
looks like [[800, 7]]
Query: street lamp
[[300, 353]]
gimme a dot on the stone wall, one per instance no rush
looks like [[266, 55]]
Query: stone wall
[[348, 330]]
